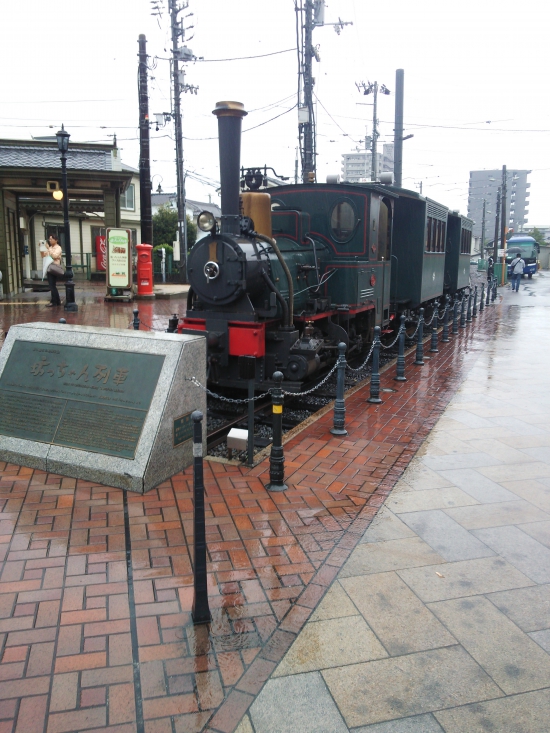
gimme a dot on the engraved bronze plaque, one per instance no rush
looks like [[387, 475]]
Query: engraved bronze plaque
[[183, 429], [76, 396]]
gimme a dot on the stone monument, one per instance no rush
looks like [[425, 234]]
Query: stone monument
[[100, 404]]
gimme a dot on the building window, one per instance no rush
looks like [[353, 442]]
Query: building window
[[57, 230], [127, 198]]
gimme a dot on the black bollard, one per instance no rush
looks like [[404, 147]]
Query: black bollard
[[375, 375], [482, 299], [494, 290], [433, 342], [339, 404], [455, 316], [489, 283], [277, 457], [474, 312], [419, 361], [463, 312], [445, 336], [400, 370], [200, 611], [173, 323], [136, 320], [62, 320], [469, 311]]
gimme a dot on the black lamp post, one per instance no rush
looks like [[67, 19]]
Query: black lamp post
[[63, 145]]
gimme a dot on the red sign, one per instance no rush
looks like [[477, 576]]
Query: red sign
[[101, 253]]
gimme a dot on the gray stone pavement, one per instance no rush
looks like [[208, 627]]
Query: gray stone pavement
[[440, 619]]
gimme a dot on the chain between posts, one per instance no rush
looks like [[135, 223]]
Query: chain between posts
[[364, 364], [309, 391], [396, 339], [242, 401], [196, 382], [415, 331], [429, 323]]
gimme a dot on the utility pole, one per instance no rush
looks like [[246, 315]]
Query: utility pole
[[503, 225], [308, 126], [373, 167], [398, 129], [180, 180], [373, 89], [313, 16], [495, 244], [482, 246], [144, 154], [180, 54]]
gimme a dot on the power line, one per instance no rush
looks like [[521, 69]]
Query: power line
[[66, 101], [261, 124], [243, 58], [271, 120], [475, 129]]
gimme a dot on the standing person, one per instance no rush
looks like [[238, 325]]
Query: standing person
[[490, 269], [517, 265], [54, 250]]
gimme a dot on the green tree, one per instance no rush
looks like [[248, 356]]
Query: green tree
[[537, 235], [165, 227]]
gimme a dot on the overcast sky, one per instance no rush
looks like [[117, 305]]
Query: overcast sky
[[476, 86]]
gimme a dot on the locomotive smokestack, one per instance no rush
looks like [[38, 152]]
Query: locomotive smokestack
[[229, 116]]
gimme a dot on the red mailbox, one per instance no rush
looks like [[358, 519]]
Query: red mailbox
[[145, 269]]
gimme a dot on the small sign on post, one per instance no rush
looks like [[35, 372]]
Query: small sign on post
[[119, 264]]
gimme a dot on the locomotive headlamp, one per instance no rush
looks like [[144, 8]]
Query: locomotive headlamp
[[206, 221]]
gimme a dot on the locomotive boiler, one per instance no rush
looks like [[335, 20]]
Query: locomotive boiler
[[288, 276]]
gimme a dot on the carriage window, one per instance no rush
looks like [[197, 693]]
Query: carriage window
[[429, 235], [384, 230], [343, 221], [465, 242], [435, 235]]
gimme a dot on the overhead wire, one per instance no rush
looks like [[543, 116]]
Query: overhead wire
[[244, 58]]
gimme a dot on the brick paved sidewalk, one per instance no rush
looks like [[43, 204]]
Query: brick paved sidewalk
[[81, 642]]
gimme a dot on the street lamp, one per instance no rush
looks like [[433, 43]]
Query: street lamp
[[63, 145]]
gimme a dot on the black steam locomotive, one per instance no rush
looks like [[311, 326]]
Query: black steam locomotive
[[293, 272]]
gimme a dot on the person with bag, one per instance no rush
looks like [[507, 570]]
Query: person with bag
[[517, 266], [54, 270]]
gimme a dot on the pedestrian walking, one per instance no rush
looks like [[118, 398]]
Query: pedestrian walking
[[517, 266]]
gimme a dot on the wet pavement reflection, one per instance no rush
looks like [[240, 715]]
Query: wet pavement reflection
[[271, 557]]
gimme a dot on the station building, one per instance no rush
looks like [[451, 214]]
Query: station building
[[103, 192]]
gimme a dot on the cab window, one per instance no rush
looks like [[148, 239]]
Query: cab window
[[384, 230], [343, 221]]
